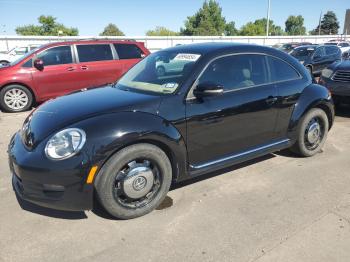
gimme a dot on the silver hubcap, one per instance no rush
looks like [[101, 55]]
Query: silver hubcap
[[314, 133], [16, 99], [138, 181]]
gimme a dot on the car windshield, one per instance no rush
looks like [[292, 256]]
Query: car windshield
[[161, 72], [23, 57], [303, 51]]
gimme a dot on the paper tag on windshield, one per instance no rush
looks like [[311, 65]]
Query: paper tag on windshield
[[187, 57], [170, 85]]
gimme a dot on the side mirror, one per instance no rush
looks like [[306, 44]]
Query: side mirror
[[316, 57], [39, 64], [208, 89]]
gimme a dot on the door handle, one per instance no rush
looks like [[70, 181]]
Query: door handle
[[271, 100], [71, 68], [84, 67]]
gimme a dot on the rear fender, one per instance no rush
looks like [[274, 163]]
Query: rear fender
[[313, 96]]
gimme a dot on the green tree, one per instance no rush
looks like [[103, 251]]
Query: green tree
[[329, 25], [161, 31], [48, 26], [295, 25], [230, 29], [111, 30], [258, 28], [208, 21]]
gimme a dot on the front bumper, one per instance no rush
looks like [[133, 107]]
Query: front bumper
[[336, 88], [53, 184]]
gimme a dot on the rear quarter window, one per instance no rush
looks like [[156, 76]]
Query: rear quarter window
[[281, 70], [331, 50], [91, 53], [128, 51]]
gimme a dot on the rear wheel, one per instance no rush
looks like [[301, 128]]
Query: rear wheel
[[310, 70], [4, 62], [134, 181], [15, 98], [312, 133]]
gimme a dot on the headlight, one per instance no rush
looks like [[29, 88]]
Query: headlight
[[326, 73], [65, 144]]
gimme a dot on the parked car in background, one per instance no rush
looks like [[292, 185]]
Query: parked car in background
[[126, 144], [15, 53], [60, 68], [343, 45], [346, 55], [336, 78], [169, 66], [317, 57], [288, 47]]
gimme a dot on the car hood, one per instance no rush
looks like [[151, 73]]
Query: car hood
[[342, 65], [64, 111]]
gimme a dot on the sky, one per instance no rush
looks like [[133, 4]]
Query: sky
[[135, 17]]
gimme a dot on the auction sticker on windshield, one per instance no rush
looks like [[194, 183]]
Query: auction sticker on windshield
[[187, 57]]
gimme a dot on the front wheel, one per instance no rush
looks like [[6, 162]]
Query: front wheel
[[312, 133], [134, 181], [15, 98]]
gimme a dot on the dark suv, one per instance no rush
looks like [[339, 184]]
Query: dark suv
[[317, 57], [56, 69]]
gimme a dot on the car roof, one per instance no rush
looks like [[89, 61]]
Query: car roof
[[307, 46], [90, 41], [215, 47]]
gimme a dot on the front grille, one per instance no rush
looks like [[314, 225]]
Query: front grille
[[341, 76]]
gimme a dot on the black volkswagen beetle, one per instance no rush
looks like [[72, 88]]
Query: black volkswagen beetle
[[221, 104]]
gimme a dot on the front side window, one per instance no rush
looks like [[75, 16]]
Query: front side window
[[59, 55], [319, 52], [91, 53], [21, 50], [281, 71], [161, 72], [128, 51], [236, 71]]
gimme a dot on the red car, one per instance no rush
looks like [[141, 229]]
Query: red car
[[59, 68]]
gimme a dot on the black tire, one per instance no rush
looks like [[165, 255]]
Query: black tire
[[161, 71], [105, 183], [309, 68], [21, 90], [4, 62], [303, 146]]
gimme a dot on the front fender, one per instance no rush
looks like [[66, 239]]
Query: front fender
[[108, 133], [312, 96]]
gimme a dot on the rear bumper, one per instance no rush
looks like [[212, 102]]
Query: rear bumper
[[54, 185]]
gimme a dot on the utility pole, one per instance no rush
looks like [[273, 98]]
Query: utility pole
[[268, 17], [319, 24]]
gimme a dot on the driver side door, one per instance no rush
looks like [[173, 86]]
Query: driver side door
[[240, 119], [319, 59]]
